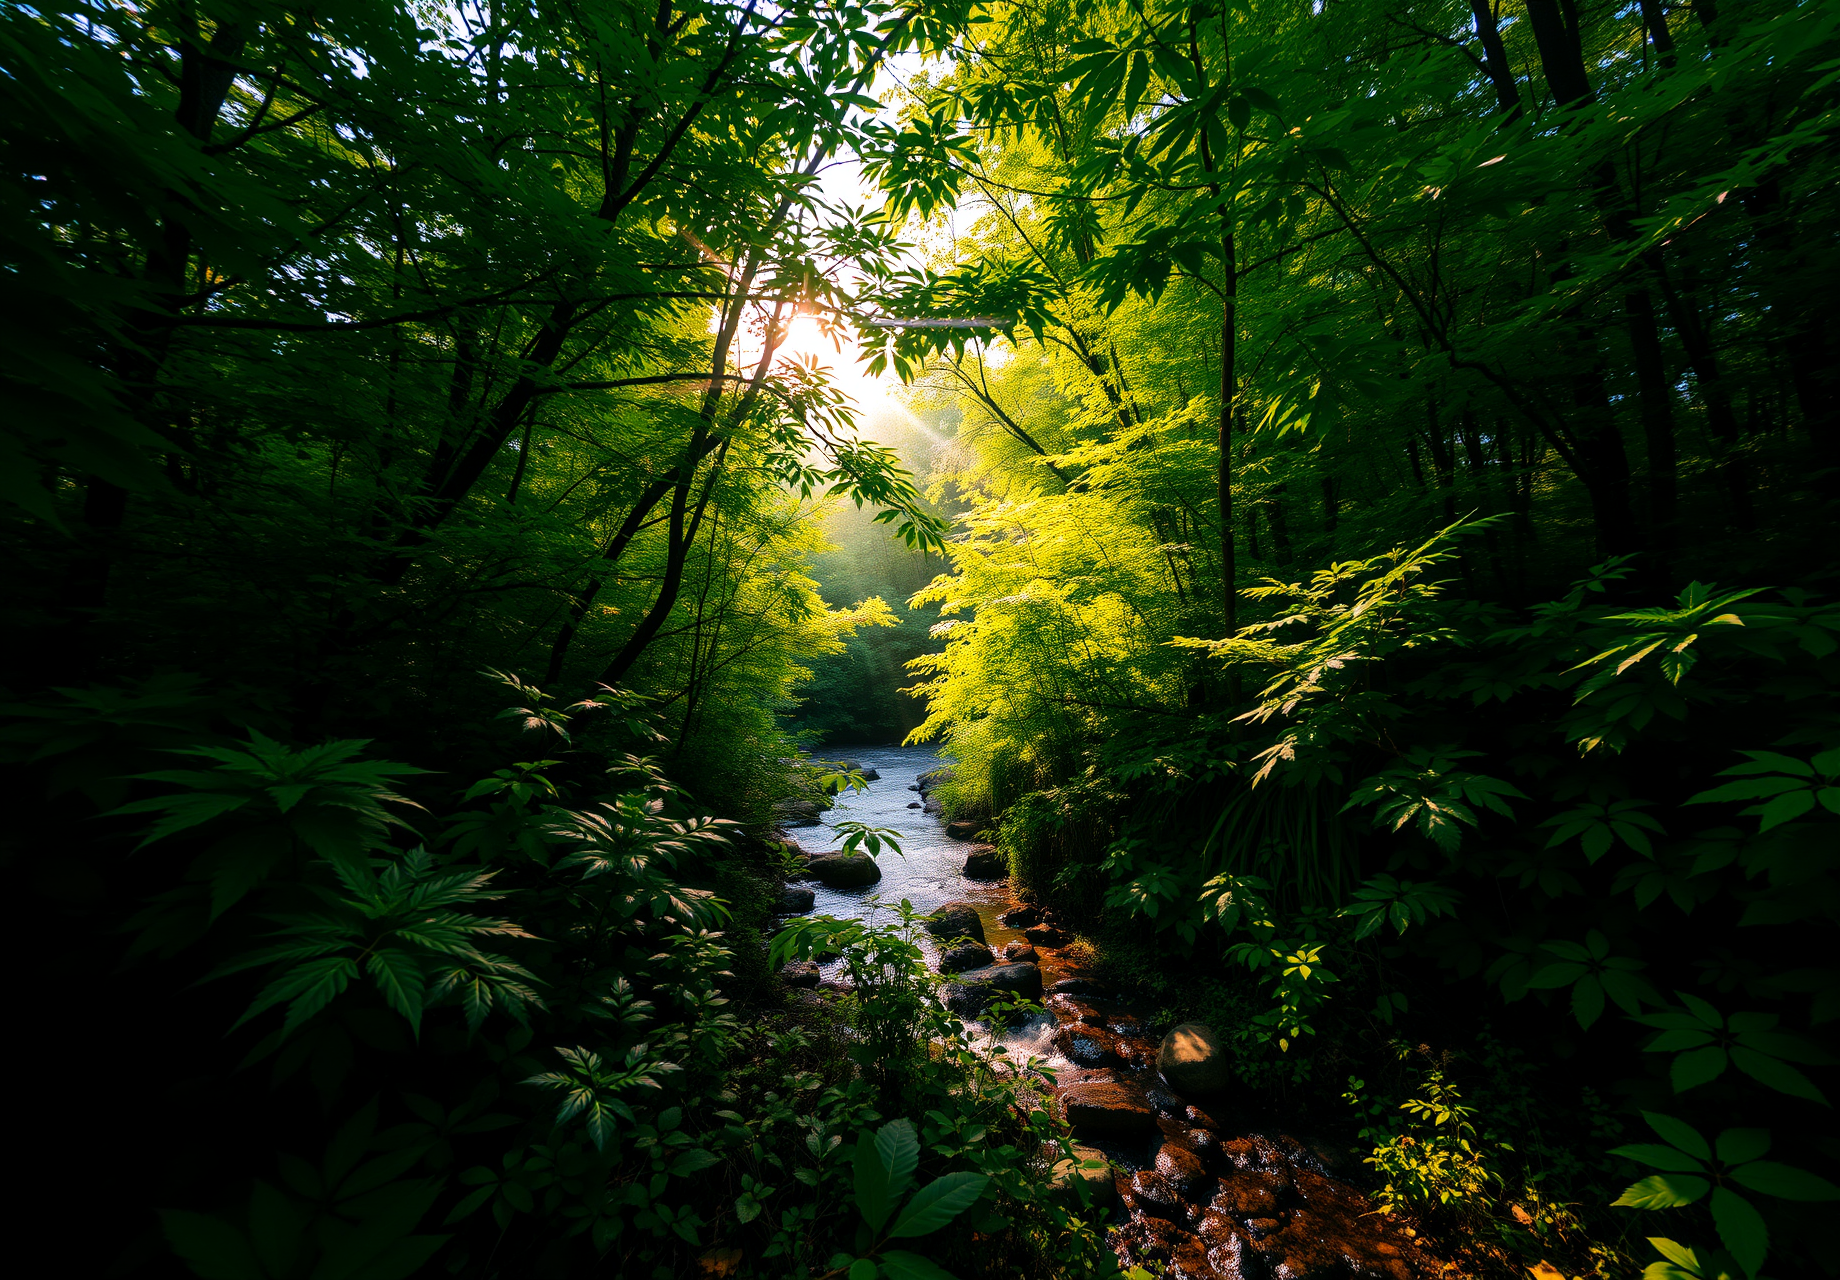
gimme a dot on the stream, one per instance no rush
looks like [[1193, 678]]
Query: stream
[[1201, 1186]]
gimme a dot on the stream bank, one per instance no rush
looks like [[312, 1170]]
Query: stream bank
[[1201, 1185]]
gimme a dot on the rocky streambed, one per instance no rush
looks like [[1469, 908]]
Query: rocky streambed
[[1200, 1183]]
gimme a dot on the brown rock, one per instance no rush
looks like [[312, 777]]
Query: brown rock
[[1107, 1108], [1019, 951], [1194, 1061], [963, 829], [1145, 1240], [1259, 1228], [1087, 1046], [1246, 1196], [1179, 1166], [1068, 1009], [1021, 917], [1235, 1258], [1202, 1119], [1189, 1261], [1151, 1193], [800, 973], [1047, 935], [1205, 1146]]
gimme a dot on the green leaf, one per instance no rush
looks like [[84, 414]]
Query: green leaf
[[938, 1203], [1736, 1146], [1784, 1182], [1657, 1156], [1776, 1073], [694, 1162], [1696, 1067], [899, 1264], [899, 1148], [213, 1248], [1741, 1229], [1662, 1191], [1679, 1133]]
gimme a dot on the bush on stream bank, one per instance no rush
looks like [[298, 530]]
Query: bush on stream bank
[[1620, 822], [388, 1025]]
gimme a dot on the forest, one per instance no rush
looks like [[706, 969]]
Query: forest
[[1348, 489]]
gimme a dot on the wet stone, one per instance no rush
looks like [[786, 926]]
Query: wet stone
[[1079, 988], [1151, 1193], [1246, 1196], [1180, 1167], [1068, 1009], [1189, 1261], [986, 863], [1118, 1109], [796, 899], [1047, 935], [962, 829], [1019, 951], [1259, 1228], [1234, 1258], [845, 870], [800, 973], [1087, 1046], [1020, 917], [1145, 1240], [956, 920], [916, 805], [970, 955], [1205, 1146]]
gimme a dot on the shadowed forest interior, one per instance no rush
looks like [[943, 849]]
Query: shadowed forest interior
[[1348, 489]]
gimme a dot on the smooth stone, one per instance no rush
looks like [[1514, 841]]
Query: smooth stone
[[1088, 1046], [956, 920], [845, 870], [971, 955], [1068, 1009], [1092, 1185], [1181, 1167], [962, 829], [1193, 1060], [800, 973], [915, 805], [870, 775], [796, 899], [913, 786], [1047, 935], [987, 864], [1020, 917], [1107, 1108], [977, 989], [1019, 950], [1155, 1196]]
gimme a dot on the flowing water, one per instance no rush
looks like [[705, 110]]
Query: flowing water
[[1214, 1194]]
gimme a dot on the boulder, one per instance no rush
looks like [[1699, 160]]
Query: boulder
[[1020, 917], [913, 786], [1180, 1167], [986, 863], [977, 989], [796, 899], [1194, 1061], [1088, 1046], [933, 806], [800, 973], [870, 775], [1047, 935], [845, 870], [1020, 951], [1151, 1193], [915, 805], [933, 778], [962, 829], [1244, 1196], [1087, 1176], [1067, 1009], [1108, 1109], [1080, 988], [956, 920], [969, 955]]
